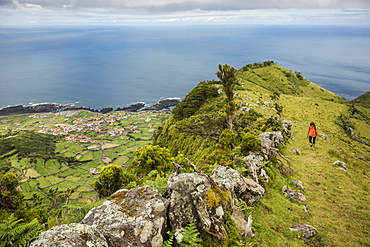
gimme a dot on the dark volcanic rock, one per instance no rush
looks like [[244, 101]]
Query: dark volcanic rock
[[82, 108], [106, 110], [53, 107], [163, 104], [132, 108], [22, 109]]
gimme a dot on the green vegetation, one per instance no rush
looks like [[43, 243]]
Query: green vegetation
[[110, 180], [47, 178], [363, 100], [191, 234], [28, 144], [51, 179], [10, 197], [15, 232], [265, 94], [227, 76], [194, 100], [151, 158]]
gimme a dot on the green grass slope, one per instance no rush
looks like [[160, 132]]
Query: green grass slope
[[274, 78], [363, 100], [337, 200]]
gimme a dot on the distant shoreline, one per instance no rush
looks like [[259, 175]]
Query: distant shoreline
[[165, 104]]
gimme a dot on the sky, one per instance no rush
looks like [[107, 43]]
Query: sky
[[126, 12]]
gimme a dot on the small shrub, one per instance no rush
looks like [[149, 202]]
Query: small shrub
[[109, 181], [250, 142], [153, 157]]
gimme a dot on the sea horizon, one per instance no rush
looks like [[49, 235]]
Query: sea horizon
[[116, 66]]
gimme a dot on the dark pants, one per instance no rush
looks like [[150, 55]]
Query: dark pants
[[312, 139]]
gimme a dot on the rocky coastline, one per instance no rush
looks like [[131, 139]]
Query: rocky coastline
[[162, 105]]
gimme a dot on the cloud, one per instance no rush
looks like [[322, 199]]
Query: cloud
[[51, 12], [165, 6]]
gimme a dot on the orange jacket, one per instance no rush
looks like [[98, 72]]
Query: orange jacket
[[312, 131]]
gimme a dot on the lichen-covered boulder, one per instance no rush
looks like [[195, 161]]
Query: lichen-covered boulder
[[253, 162], [306, 230], [196, 196], [340, 163], [293, 194], [75, 234], [271, 140], [135, 217], [298, 183], [287, 125], [240, 187]]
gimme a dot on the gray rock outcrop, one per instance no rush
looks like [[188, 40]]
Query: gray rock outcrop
[[293, 194], [195, 196], [269, 144], [74, 234], [253, 162], [287, 125], [135, 217], [340, 164], [296, 151], [323, 136], [205, 199], [140, 216], [271, 140], [240, 187], [298, 183], [355, 137], [244, 227], [306, 230]]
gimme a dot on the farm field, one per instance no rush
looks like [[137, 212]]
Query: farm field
[[90, 140]]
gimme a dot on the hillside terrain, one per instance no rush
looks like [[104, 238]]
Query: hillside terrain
[[61, 151], [336, 198], [57, 158], [363, 100]]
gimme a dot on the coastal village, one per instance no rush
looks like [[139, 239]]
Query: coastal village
[[73, 130], [90, 130]]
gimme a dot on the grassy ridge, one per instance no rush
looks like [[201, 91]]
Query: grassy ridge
[[337, 200], [363, 100]]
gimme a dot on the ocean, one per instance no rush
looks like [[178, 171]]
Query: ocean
[[119, 65]]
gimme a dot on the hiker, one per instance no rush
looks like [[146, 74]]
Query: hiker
[[312, 134]]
